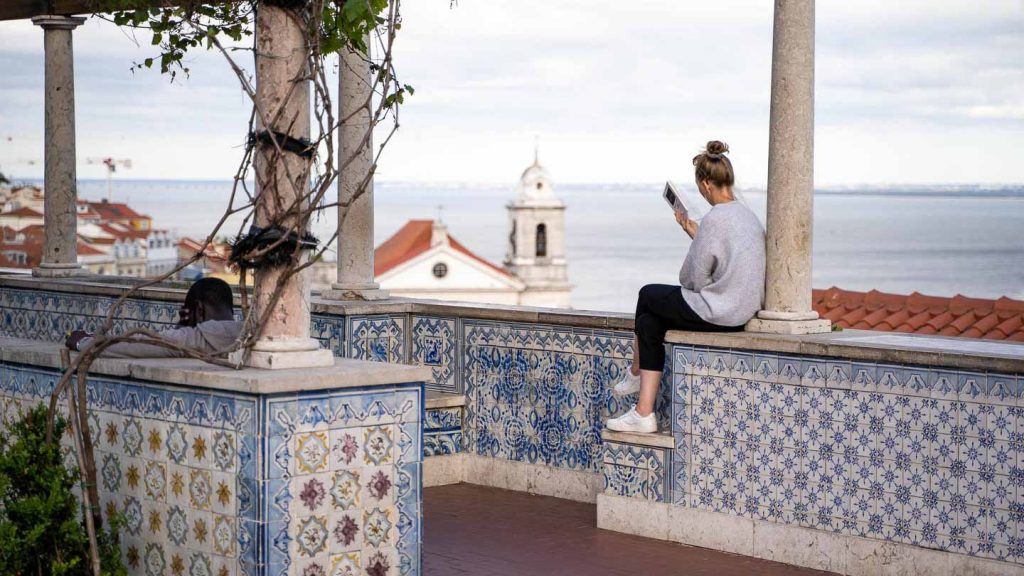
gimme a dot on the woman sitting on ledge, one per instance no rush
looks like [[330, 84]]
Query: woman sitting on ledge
[[722, 286]]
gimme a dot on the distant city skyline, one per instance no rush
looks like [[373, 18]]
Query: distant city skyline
[[910, 93]]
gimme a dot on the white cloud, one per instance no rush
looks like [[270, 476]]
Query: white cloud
[[913, 91]]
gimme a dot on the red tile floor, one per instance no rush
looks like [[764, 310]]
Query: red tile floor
[[489, 532]]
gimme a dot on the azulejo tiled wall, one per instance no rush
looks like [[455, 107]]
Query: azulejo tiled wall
[[536, 393], [909, 454], [541, 394], [42, 315], [229, 484], [442, 431], [637, 471]]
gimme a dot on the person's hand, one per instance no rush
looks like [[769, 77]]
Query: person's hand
[[74, 338], [184, 316], [689, 226]]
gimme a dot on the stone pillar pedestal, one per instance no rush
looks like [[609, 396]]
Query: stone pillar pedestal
[[790, 176], [282, 94], [60, 218], [355, 221]]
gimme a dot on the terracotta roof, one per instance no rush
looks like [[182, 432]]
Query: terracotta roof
[[122, 233], [24, 212], [412, 240], [33, 254], [114, 211], [35, 232], [1001, 319], [86, 250]]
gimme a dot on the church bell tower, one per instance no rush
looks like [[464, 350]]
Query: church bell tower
[[536, 241]]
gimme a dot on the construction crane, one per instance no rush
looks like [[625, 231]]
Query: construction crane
[[111, 164]]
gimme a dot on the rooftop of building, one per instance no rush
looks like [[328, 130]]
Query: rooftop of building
[[916, 313], [114, 210], [413, 239], [23, 212]]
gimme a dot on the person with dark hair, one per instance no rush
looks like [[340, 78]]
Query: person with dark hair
[[206, 323], [721, 285]]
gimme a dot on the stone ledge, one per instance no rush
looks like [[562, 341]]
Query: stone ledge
[[344, 374], [443, 470], [846, 554], [869, 346], [175, 292], [436, 400], [659, 440]]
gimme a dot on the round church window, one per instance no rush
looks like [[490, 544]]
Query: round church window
[[440, 270]]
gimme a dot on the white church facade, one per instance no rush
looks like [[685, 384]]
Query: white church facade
[[422, 260]]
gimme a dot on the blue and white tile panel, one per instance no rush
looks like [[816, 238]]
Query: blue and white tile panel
[[541, 394], [636, 471], [434, 342], [379, 338], [225, 484], [41, 315], [442, 431], [908, 454]]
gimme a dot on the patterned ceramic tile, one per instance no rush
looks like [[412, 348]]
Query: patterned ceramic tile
[[442, 431], [887, 452], [181, 468], [636, 471], [434, 344], [330, 331], [378, 338], [531, 404]]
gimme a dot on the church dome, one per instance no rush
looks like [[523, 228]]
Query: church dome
[[535, 184]]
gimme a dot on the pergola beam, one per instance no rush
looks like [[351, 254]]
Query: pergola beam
[[25, 9]]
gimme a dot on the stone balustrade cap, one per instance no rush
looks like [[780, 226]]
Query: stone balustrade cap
[[344, 374], [871, 346], [58, 22]]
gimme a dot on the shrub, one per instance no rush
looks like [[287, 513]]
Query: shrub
[[41, 531]]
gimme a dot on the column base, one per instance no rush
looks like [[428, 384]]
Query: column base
[[58, 270], [763, 325], [284, 354], [360, 292]]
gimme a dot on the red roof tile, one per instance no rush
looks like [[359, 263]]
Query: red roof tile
[[86, 250], [412, 240], [1001, 319], [114, 211], [24, 212]]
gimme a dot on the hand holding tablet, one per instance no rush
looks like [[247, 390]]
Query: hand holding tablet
[[689, 203]]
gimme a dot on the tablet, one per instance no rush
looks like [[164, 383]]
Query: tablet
[[690, 203], [672, 198]]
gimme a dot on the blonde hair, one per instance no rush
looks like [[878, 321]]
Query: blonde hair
[[712, 165]]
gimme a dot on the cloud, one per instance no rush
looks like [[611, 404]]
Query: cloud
[[616, 91]]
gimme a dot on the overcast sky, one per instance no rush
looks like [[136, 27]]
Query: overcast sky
[[915, 91]]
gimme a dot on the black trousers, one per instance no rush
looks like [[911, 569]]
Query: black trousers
[[660, 308]]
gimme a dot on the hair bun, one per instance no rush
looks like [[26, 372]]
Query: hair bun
[[716, 147]]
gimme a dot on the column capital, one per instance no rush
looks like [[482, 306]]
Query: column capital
[[57, 22]]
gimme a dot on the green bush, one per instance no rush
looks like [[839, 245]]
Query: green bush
[[41, 531]]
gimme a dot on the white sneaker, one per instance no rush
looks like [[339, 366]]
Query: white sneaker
[[633, 422], [628, 385]]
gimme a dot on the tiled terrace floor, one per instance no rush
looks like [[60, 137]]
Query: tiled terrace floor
[[490, 532]]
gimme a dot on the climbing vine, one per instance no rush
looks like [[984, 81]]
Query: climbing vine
[[300, 173]]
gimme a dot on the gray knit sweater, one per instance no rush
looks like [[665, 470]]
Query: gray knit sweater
[[723, 275]]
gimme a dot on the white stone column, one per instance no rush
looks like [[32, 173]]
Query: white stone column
[[282, 95], [60, 218], [355, 221], [790, 176]]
